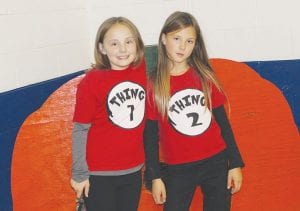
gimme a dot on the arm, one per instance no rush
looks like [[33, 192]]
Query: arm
[[235, 160], [80, 174], [152, 172], [151, 149]]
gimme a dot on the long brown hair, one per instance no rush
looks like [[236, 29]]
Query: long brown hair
[[102, 61], [198, 60]]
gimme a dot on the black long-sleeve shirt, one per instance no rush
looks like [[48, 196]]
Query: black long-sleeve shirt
[[151, 144]]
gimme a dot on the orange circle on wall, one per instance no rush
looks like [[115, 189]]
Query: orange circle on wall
[[261, 120]]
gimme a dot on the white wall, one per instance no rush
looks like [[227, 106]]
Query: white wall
[[43, 39]]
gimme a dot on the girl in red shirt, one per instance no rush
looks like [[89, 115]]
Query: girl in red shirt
[[186, 109], [109, 121]]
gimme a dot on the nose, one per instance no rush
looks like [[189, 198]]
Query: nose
[[122, 48], [182, 45]]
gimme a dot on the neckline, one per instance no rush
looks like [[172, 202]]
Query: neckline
[[182, 73], [125, 69]]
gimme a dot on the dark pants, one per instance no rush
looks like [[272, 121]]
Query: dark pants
[[210, 175], [114, 193]]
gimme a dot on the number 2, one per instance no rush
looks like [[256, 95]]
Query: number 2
[[195, 117]]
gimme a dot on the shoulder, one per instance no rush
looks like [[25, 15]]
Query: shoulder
[[141, 65], [218, 96], [90, 78], [139, 70], [216, 90], [92, 74]]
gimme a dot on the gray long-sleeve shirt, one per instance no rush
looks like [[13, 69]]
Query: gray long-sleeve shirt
[[80, 170]]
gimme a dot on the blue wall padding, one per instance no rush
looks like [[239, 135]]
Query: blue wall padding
[[286, 76], [15, 106]]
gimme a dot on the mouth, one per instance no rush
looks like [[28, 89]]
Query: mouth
[[123, 57], [180, 54]]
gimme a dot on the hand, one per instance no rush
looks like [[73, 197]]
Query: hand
[[234, 180], [79, 187], [158, 191]]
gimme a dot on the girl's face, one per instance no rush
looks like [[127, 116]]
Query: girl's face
[[179, 45], [120, 47]]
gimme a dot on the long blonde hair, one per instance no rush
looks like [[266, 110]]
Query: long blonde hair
[[198, 60], [102, 61]]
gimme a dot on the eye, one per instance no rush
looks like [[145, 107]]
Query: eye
[[176, 38], [114, 44], [190, 41], [130, 41]]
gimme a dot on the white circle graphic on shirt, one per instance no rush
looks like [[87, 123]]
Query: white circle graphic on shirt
[[126, 104], [187, 112]]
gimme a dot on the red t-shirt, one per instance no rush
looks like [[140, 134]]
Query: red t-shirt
[[188, 132], [113, 101]]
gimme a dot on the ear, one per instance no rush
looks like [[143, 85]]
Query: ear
[[101, 48], [163, 38]]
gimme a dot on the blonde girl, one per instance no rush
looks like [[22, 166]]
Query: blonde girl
[[109, 121]]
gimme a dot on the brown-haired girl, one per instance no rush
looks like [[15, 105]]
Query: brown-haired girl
[[186, 108]]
